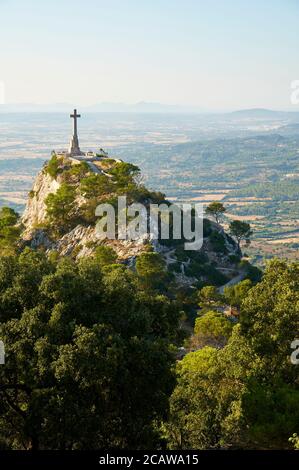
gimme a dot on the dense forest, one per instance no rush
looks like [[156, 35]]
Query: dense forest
[[92, 348], [91, 363]]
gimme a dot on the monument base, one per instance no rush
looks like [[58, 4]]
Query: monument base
[[74, 149]]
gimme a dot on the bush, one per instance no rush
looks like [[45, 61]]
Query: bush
[[217, 241], [176, 267], [235, 259], [9, 231], [212, 329], [151, 270], [214, 276], [94, 186], [194, 269], [76, 173], [105, 255], [53, 166], [91, 351], [8, 217], [60, 207], [207, 229]]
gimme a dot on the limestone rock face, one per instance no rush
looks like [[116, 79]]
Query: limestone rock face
[[76, 239], [82, 240], [214, 261], [38, 238], [35, 211], [78, 242]]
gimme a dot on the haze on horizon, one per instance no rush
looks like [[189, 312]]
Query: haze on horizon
[[216, 55]]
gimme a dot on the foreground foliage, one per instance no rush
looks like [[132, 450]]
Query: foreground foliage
[[245, 395], [88, 355]]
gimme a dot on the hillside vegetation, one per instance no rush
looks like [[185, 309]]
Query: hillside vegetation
[[141, 346]]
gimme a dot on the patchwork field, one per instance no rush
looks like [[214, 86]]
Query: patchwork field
[[248, 162]]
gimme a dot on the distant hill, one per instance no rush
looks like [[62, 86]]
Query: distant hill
[[290, 129], [143, 107], [104, 107], [262, 113], [147, 107]]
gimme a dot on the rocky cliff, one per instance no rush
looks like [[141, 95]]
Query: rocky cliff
[[59, 216]]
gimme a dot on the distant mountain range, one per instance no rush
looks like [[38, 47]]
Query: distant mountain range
[[105, 107], [261, 113], [145, 107]]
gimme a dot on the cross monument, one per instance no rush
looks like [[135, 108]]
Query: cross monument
[[74, 149]]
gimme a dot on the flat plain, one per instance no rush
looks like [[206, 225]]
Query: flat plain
[[247, 160]]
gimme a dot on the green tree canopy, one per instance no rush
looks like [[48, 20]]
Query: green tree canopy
[[124, 170], [88, 357], [246, 394], [9, 230], [77, 172], [240, 230], [235, 294], [8, 217], [270, 314], [94, 186], [105, 255], [209, 297], [53, 166], [205, 407], [215, 209], [151, 269], [212, 329], [60, 207]]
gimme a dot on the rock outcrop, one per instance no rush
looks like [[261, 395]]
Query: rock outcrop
[[35, 211], [217, 258]]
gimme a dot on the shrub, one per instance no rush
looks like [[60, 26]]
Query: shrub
[[76, 172], [94, 186], [212, 329], [217, 241], [60, 207], [53, 166], [105, 255]]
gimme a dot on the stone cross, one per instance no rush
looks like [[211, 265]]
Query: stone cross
[[75, 116], [74, 149]]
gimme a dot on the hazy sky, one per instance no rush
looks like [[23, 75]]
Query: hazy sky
[[216, 54]]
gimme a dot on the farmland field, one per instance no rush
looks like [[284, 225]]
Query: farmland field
[[249, 162]]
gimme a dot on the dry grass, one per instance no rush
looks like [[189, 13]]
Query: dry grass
[[244, 217], [280, 241], [209, 197]]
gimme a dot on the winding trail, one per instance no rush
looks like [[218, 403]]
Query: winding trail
[[96, 169]]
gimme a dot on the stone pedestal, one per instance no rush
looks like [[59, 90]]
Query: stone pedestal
[[74, 149]]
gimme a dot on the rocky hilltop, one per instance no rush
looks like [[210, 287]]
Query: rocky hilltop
[[60, 217]]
